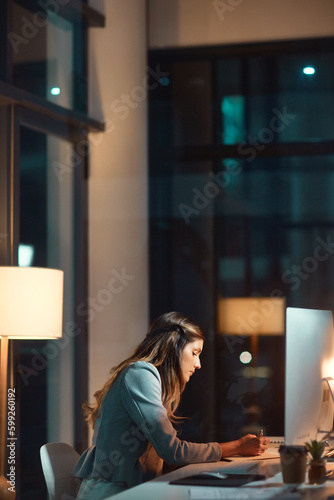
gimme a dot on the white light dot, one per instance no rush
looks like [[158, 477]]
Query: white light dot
[[308, 70], [55, 91], [245, 357]]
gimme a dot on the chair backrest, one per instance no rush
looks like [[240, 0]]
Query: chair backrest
[[58, 461]]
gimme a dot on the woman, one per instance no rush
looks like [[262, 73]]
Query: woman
[[134, 411]]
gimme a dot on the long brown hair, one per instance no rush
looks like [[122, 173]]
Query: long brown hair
[[162, 346]]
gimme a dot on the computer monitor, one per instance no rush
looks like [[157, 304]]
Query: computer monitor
[[309, 371]]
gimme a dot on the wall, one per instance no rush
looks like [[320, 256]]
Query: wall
[[179, 23], [118, 246]]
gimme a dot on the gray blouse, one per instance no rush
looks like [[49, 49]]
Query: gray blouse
[[133, 435]]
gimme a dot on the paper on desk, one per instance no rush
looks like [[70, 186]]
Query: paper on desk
[[273, 453], [204, 493], [265, 456]]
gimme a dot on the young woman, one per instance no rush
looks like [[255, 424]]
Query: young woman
[[134, 411]]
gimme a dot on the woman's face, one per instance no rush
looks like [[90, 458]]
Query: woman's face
[[190, 358]]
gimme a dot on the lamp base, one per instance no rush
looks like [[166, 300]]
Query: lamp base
[[5, 492]]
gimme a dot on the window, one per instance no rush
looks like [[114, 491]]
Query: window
[[43, 222], [47, 226], [241, 169]]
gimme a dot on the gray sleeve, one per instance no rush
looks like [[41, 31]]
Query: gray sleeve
[[141, 394]]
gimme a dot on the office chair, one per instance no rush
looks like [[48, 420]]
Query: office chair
[[58, 461]]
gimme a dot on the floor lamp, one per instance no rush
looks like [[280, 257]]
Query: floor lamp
[[31, 307], [251, 316]]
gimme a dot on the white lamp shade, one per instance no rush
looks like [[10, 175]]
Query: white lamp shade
[[251, 316], [31, 302]]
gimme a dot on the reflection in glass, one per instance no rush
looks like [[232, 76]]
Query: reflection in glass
[[47, 226], [233, 116], [285, 98], [42, 47]]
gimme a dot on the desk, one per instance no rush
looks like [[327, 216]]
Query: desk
[[159, 489]]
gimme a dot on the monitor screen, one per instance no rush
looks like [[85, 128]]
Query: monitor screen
[[309, 360]]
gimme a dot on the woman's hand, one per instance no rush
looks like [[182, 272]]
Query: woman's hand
[[248, 445], [252, 445]]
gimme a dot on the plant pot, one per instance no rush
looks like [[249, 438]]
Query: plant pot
[[317, 472]]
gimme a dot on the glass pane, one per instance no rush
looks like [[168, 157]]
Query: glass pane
[[296, 188], [182, 206], [273, 214], [43, 57], [275, 236], [182, 266], [190, 115], [268, 99], [47, 229], [247, 226]]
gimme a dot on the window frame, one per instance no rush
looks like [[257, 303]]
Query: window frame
[[21, 108]]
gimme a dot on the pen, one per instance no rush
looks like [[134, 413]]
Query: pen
[[260, 435]]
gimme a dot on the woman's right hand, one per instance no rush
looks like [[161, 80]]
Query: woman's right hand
[[252, 445], [248, 445]]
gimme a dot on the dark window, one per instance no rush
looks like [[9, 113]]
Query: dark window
[[241, 171]]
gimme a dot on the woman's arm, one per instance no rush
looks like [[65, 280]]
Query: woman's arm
[[141, 396]]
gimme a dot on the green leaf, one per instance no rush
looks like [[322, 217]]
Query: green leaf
[[315, 448]]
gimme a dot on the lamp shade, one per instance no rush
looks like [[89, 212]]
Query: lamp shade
[[251, 316], [31, 302]]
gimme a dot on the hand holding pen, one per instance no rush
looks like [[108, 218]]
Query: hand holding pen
[[252, 445], [263, 441], [249, 445]]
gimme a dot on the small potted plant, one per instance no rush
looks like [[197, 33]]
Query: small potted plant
[[317, 468]]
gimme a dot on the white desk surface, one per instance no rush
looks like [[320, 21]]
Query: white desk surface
[[271, 488]]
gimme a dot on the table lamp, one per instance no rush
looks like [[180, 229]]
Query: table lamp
[[31, 307], [251, 316]]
